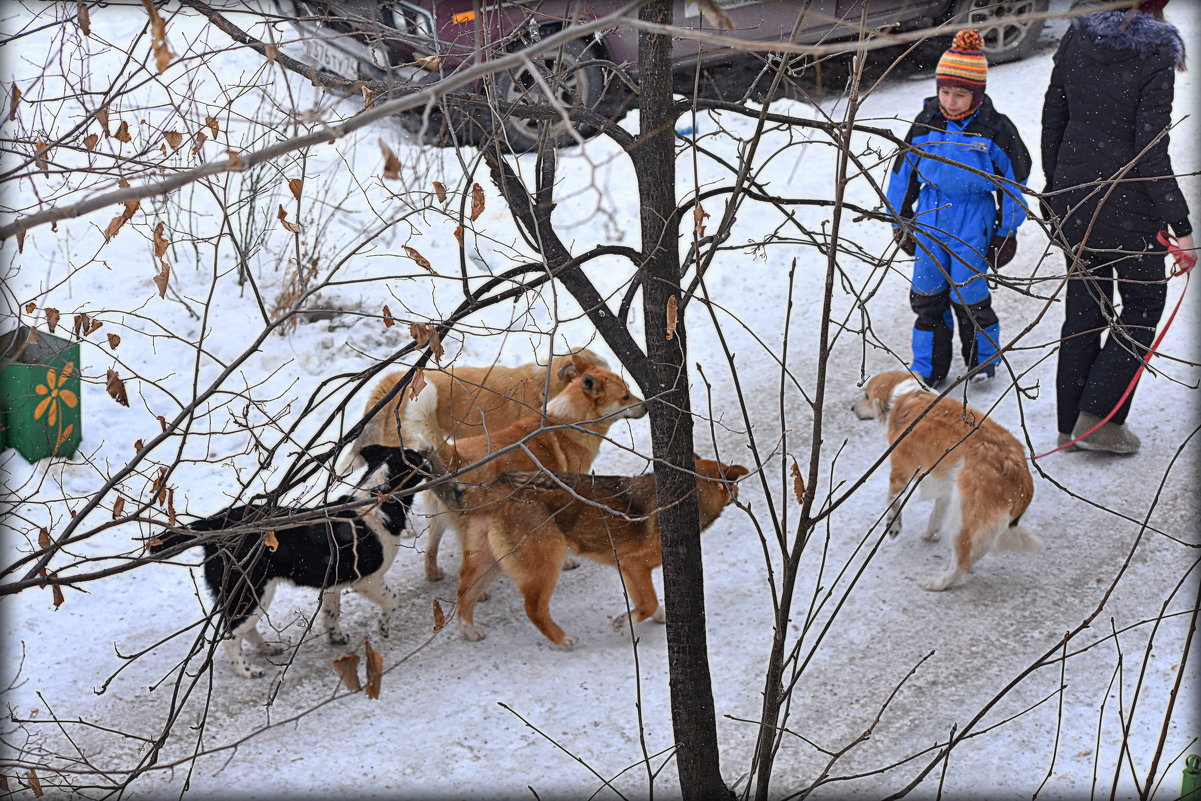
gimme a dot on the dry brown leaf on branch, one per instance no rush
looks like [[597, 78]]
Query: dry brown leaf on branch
[[672, 316], [439, 617], [425, 334], [213, 126], [158, 39], [459, 235], [347, 668], [477, 201], [39, 156], [158, 487], [368, 98], [20, 241], [271, 52], [422, 261], [118, 506], [162, 279], [113, 341], [418, 384], [81, 321], [698, 220], [160, 242], [174, 139], [14, 102], [122, 134], [271, 543], [82, 17], [30, 307], [90, 141], [440, 191], [34, 784], [102, 118], [43, 538], [56, 593], [391, 163], [798, 483], [92, 326], [52, 316], [162, 422], [200, 140], [389, 321], [375, 669], [235, 160], [138, 445], [715, 15], [114, 226], [295, 185], [282, 216], [171, 506], [116, 388]]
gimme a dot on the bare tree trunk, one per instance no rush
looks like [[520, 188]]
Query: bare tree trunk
[[692, 710]]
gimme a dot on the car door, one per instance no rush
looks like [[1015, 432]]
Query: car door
[[754, 20]]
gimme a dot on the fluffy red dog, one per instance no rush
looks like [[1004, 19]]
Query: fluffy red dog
[[975, 467]]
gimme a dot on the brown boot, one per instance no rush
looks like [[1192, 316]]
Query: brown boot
[[1110, 437]]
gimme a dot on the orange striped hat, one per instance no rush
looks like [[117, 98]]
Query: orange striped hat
[[964, 65]]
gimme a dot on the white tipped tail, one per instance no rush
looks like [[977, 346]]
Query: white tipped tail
[[1019, 538]]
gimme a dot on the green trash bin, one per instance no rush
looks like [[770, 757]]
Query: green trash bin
[[39, 393]]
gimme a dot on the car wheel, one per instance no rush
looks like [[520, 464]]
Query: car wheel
[[570, 84], [1007, 37]]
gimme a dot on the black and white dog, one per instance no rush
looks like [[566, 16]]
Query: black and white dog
[[330, 550]]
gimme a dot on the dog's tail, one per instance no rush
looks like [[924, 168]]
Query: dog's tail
[[1017, 537]]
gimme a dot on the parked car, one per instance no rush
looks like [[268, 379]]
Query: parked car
[[416, 42]]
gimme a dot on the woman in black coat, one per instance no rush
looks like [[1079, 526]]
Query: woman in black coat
[[1111, 189]]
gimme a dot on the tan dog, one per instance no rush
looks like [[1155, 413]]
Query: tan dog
[[616, 523], [465, 402], [976, 468], [564, 440]]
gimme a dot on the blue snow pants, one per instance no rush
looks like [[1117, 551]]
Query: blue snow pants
[[953, 233]]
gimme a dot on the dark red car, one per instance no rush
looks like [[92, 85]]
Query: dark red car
[[415, 42]]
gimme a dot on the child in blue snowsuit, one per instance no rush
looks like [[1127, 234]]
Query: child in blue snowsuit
[[963, 222]]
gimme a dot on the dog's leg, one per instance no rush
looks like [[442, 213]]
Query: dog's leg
[[960, 563], [898, 480], [437, 528], [643, 598], [331, 611], [941, 504], [536, 567], [374, 589], [265, 648], [233, 649], [476, 572]]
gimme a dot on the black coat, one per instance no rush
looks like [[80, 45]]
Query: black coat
[[1110, 97]]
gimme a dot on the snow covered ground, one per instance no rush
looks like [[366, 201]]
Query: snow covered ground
[[491, 719]]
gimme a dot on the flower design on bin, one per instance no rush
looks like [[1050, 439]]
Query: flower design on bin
[[54, 392]]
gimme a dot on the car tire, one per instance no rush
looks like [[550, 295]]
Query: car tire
[[571, 84], [1004, 38]]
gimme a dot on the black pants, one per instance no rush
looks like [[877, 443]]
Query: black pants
[[1092, 375]]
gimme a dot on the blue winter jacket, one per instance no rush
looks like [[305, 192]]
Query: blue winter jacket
[[987, 141]]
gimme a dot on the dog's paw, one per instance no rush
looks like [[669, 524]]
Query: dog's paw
[[570, 562], [247, 671], [568, 642], [939, 584], [338, 638], [931, 535], [621, 622], [272, 649], [434, 573], [660, 615], [893, 526], [471, 632]]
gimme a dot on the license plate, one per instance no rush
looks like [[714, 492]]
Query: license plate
[[332, 59]]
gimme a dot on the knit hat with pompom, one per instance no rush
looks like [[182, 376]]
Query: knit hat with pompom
[[965, 66]]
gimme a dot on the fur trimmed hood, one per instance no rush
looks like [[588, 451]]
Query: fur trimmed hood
[[1118, 35]]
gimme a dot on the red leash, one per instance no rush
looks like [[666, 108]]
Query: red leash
[[1185, 261]]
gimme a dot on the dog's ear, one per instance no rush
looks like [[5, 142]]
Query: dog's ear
[[375, 455], [576, 366], [734, 472]]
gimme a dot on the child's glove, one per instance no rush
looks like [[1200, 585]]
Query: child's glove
[[905, 241], [1001, 250]]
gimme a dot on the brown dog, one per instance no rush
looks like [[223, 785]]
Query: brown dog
[[564, 440], [465, 402], [609, 519], [971, 460]]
